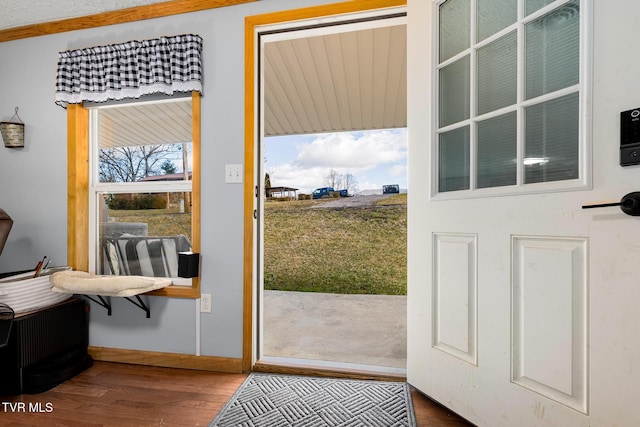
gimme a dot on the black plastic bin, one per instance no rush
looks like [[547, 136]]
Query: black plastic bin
[[45, 348]]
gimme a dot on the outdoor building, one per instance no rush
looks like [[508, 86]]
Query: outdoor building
[[281, 192]]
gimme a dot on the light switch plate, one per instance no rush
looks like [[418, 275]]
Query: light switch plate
[[233, 174]]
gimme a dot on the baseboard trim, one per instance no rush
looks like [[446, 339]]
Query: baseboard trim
[[167, 360], [231, 365], [276, 367]]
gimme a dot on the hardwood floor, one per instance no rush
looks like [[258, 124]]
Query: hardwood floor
[[122, 395]]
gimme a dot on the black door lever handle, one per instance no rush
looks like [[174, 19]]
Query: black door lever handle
[[629, 204]]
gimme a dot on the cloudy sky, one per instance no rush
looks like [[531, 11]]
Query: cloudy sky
[[374, 158]]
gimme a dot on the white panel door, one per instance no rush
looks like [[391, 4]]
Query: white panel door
[[524, 308]]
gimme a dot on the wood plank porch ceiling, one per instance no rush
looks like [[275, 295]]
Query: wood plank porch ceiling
[[342, 82]]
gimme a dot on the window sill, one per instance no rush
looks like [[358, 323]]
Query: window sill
[[174, 291]]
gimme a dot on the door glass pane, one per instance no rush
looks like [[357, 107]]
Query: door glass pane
[[497, 74], [533, 5], [497, 151], [454, 92], [551, 140], [495, 15], [455, 18], [454, 160], [553, 50]]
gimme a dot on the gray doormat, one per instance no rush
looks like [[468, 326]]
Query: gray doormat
[[265, 400]]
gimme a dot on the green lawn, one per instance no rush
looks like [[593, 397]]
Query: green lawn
[[350, 251], [160, 222]]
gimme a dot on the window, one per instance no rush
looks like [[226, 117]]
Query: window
[[141, 189], [509, 96]]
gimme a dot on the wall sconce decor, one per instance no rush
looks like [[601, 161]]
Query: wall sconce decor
[[13, 132]]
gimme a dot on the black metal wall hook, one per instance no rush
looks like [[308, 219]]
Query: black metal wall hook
[[629, 204]]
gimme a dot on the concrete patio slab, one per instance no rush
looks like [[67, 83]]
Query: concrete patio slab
[[352, 329]]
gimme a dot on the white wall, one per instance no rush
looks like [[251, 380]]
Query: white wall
[[33, 179]]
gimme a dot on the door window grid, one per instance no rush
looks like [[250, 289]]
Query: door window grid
[[478, 102]]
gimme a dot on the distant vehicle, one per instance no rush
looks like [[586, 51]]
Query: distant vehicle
[[390, 189], [323, 192]]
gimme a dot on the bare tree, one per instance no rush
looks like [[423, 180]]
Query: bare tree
[[334, 179], [350, 183], [130, 164], [341, 182]]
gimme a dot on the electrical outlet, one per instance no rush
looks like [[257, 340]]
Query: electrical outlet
[[205, 303], [233, 174]]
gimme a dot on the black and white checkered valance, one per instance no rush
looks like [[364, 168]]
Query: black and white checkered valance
[[129, 70]]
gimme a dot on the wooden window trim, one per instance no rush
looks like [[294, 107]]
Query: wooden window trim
[[78, 194]]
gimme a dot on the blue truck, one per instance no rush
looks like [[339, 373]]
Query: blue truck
[[323, 192]]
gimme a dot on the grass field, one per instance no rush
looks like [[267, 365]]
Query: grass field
[[358, 250], [160, 222], [351, 251]]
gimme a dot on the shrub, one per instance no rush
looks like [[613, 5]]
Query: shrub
[[149, 201]]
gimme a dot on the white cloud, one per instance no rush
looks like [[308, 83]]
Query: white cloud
[[372, 157], [354, 151]]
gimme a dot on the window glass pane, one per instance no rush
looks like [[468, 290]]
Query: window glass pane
[[497, 151], [145, 163], [454, 92], [454, 160], [533, 5], [551, 145], [144, 142], [142, 233], [455, 18], [553, 50], [495, 15], [497, 74]]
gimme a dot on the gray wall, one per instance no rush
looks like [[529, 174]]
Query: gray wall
[[33, 179]]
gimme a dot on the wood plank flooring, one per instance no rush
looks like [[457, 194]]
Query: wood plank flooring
[[123, 395]]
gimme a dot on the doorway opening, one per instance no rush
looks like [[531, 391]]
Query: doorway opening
[[331, 164]]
